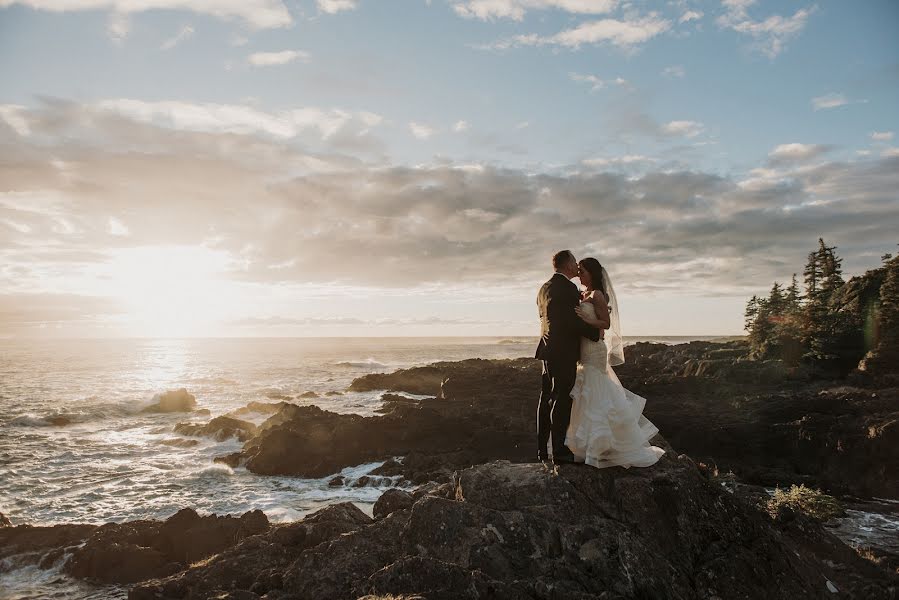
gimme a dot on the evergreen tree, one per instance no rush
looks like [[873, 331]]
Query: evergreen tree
[[751, 313], [794, 299]]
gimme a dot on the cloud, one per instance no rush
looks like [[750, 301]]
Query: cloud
[[624, 34], [118, 26], [832, 100], [596, 83], [335, 6], [241, 119], [184, 33], [15, 117], [796, 153], [516, 9], [268, 59], [421, 131], [627, 159], [882, 136], [259, 14], [460, 126], [116, 227], [682, 128], [890, 152], [769, 35], [390, 226], [690, 15], [674, 71]]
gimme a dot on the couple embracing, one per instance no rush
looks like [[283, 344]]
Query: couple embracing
[[586, 412]]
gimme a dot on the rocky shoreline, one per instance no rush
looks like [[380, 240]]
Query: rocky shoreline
[[472, 517], [767, 424]]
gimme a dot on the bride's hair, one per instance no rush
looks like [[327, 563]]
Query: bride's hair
[[595, 269]]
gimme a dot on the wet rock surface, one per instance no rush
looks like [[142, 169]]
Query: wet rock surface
[[128, 552], [179, 400], [520, 531], [219, 428]]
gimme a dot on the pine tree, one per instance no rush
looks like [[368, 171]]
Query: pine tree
[[812, 274], [831, 269], [751, 313], [794, 299]]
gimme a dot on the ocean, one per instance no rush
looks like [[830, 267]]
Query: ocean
[[111, 462]]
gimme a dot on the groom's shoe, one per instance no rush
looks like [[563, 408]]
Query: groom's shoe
[[564, 457]]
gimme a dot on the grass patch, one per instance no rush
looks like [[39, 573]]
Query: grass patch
[[807, 501]]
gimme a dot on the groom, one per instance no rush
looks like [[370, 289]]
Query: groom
[[559, 349]]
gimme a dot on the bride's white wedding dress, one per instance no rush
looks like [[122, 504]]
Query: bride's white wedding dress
[[607, 425]]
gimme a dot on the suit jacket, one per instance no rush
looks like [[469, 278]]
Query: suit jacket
[[561, 329]]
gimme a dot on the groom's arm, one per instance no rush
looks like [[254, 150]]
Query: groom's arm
[[584, 329], [561, 311]]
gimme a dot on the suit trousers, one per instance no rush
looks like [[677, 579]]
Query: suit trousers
[[554, 407]]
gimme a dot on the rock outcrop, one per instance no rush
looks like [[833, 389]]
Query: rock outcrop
[[768, 424], [128, 552], [179, 400], [219, 428], [518, 531]]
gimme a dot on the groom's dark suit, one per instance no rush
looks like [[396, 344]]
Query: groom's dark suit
[[559, 349]]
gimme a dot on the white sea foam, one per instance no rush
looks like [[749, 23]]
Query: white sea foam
[[368, 363]]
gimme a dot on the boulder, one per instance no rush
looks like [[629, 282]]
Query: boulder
[[4, 521], [264, 408], [232, 460], [219, 428], [391, 501], [139, 550], [179, 400]]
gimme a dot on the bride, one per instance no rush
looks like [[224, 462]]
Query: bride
[[607, 426]]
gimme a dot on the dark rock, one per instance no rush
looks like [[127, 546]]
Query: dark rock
[[219, 428], [390, 468], [391, 501], [520, 531], [179, 443], [308, 395], [768, 424], [392, 402], [179, 400], [232, 460], [140, 550], [261, 563], [30, 543], [337, 481], [334, 394], [203, 412], [437, 437], [368, 481], [4, 521], [421, 380], [264, 408]]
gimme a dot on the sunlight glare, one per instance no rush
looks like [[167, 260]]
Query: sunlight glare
[[171, 291]]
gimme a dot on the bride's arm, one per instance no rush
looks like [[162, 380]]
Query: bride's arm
[[601, 306]]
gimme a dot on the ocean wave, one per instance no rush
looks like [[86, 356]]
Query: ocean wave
[[62, 418], [368, 363], [214, 471]]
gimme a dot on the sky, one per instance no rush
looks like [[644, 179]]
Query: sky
[[181, 168]]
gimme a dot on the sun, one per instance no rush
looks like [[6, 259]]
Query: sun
[[171, 291]]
